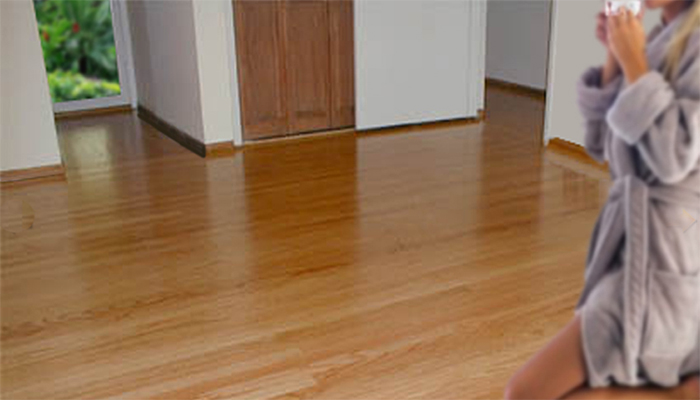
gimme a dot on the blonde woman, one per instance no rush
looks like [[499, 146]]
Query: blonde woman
[[636, 332]]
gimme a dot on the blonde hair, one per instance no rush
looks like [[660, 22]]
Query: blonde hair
[[680, 40]]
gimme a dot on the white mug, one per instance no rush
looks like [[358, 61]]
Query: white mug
[[613, 7]]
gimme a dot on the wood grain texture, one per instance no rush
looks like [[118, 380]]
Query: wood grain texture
[[573, 150], [48, 171], [307, 136], [517, 88], [183, 138], [342, 63], [424, 265], [220, 149], [93, 112], [261, 67], [423, 126], [307, 54]]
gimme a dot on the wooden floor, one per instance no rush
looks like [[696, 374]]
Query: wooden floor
[[422, 264]]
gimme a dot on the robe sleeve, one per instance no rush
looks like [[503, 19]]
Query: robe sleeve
[[662, 120], [594, 102]]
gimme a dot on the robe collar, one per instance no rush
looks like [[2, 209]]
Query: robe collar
[[659, 39]]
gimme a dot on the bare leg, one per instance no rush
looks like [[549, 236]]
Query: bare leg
[[559, 371], [556, 370]]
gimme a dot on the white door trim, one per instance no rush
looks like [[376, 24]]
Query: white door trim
[[476, 46], [547, 134], [233, 67], [125, 66]]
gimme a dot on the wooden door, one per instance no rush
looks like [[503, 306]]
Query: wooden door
[[261, 68], [307, 64], [342, 44]]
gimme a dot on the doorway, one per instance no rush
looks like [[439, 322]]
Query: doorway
[[86, 49]]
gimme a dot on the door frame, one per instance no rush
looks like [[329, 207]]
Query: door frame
[[549, 88], [237, 111], [125, 66]]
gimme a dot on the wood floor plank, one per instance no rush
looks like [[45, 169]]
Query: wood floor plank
[[424, 264]]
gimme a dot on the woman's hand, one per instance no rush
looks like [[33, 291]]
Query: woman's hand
[[601, 31], [611, 69], [627, 41]]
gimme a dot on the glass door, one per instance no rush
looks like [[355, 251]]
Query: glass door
[[86, 52]]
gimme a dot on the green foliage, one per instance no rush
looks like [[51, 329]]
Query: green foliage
[[77, 35], [66, 86]]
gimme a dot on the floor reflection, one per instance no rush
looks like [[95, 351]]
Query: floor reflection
[[338, 267]]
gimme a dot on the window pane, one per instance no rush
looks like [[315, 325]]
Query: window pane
[[78, 43]]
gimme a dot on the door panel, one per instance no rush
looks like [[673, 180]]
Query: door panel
[[342, 63], [261, 68], [308, 64]]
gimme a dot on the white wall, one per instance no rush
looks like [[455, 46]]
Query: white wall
[[217, 70], [165, 62], [518, 41], [182, 58], [27, 131], [414, 61], [426, 65], [477, 51], [573, 49]]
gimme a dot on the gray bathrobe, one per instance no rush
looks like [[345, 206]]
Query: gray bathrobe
[[640, 307]]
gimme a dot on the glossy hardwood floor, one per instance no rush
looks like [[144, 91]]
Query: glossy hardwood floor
[[426, 264]]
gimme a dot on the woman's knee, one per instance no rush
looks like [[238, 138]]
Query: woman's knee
[[518, 390]]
